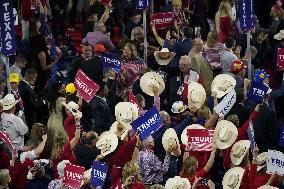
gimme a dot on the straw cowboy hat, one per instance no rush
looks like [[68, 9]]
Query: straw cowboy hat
[[279, 36], [184, 137], [239, 150], [8, 102], [225, 134], [150, 79], [267, 187], [107, 143], [261, 160], [196, 95], [177, 182], [124, 131], [73, 108], [125, 113], [222, 85], [233, 178], [169, 139], [178, 107], [164, 56]]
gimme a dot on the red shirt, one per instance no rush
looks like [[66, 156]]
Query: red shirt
[[225, 28], [26, 10], [66, 154], [19, 174], [4, 160], [200, 173], [261, 180], [249, 175], [120, 158], [70, 126], [242, 135]]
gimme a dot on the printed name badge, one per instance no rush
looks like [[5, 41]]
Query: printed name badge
[[147, 124]]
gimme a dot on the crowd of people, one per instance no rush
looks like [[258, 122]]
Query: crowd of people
[[191, 68]]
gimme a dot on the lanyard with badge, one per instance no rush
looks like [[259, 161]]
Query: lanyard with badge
[[182, 84]]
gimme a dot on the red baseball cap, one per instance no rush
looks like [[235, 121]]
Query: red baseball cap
[[237, 66]]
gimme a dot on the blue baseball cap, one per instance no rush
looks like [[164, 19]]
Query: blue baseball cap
[[260, 75]]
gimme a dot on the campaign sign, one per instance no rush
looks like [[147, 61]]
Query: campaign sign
[[99, 172], [132, 98], [7, 19], [226, 104], [250, 132], [257, 91], [281, 139], [275, 162], [246, 14], [280, 58], [111, 61], [200, 139], [86, 87], [163, 20], [147, 124], [73, 176], [6, 139], [141, 4]]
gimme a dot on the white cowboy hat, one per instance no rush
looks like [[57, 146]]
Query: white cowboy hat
[[233, 178], [150, 79], [107, 143], [170, 138], [164, 56], [184, 137], [178, 107], [239, 150], [124, 131], [177, 182], [279, 36], [73, 108], [261, 160], [267, 187], [225, 134], [8, 101], [125, 113], [196, 95], [222, 85]]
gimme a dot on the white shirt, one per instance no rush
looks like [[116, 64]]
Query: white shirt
[[15, 127]]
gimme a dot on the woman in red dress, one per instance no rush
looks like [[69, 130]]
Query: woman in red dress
[[223, 21]]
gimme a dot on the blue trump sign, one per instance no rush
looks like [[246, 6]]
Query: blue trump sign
[[7, 28], [111, 61], [147, 124], [142, 4], [246, 14], [257, 91], [99, 173]]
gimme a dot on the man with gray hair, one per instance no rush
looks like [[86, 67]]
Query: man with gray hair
[[99, 36]]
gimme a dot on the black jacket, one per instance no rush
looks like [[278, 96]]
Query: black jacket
[[30, 102], [266, 129], [93, 68]]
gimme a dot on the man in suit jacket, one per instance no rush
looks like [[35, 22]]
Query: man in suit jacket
[[182, 47], [29, 97], [200, 65], [89, 64]]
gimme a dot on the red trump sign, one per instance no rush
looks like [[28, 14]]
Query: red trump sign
[[163, 20], [86, 87], [280, 58], [200, 139]]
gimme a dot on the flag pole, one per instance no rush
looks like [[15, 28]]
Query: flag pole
[[6, 62], [145, 34], [249, 54]]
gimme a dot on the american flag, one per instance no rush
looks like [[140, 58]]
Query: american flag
[[5, 138], [200, 140]]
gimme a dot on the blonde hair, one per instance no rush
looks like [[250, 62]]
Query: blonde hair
[[212, 39], [4, 177], [59, 141], [35, 129], [224, 10], [157, 186], [92, 2], [189, 166], [133, 49], [177, 3], [234, 119], [203, 112], [131, 169]]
